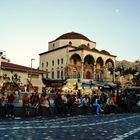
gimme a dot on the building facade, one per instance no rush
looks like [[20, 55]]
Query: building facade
[[74, 56], [28, 78]]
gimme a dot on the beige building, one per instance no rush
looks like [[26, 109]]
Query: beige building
[[28, 78], [74, 56]]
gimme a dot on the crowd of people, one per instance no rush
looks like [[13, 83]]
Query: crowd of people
[[60, 103]]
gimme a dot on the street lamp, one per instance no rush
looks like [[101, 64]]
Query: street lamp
[[0, 61], [32, 59]]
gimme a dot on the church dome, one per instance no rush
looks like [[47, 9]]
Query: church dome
[[72, 35]]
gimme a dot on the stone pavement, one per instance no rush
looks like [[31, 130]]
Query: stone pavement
[[88, 127]]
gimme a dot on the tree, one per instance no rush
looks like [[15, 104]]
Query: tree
[[137, 65], [15, 81]]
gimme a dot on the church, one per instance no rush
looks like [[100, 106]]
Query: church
[[74, 56]]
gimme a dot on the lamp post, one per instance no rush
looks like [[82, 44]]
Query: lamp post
[[0, 61], [32, 59], [0, 70]]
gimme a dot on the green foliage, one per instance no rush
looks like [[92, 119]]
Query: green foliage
[[125, 71], [15, 81], [111, 70]]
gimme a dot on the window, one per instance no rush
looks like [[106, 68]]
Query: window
[[61, 60], [58, 61], [61, 74], [52, 62], [53, 46], [46, 73], [46, 64], [58, 74], [70, 43]]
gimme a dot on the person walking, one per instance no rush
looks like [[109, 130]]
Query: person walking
[[96, 105]]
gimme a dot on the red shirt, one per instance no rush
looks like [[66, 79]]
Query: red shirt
[[10, 98], [114, 99], [26, 100]]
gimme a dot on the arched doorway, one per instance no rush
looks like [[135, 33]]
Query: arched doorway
[[99, 69], [74, 66], [88, 67], [88, 75], [109, 65]]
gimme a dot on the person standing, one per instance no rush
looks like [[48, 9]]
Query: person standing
[[10, 105], [26, 102]]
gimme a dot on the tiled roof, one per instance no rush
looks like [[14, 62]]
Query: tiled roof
[[12, 66], [57, 49], [72, 35], [105, 52], [84, 47]]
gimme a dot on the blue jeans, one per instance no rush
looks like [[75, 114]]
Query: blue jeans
[[98, 108]]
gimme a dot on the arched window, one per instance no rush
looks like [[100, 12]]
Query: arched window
[[58, 74], [58, 61], [52, 62], [61, 60], [46, 64]]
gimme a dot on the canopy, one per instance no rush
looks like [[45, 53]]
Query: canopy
[[53, 83]]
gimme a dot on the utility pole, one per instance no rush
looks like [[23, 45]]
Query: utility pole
[[32, 59]]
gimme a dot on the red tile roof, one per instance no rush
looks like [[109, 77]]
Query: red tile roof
[[11, 66]]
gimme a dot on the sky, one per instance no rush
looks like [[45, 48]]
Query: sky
[[26, 26]]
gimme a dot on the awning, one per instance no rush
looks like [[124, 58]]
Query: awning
[[53, 83], [106, 85]]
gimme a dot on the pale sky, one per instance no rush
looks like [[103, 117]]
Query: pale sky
[[26, 26]]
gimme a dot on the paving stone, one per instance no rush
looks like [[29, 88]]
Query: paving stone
[[102, 127]]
